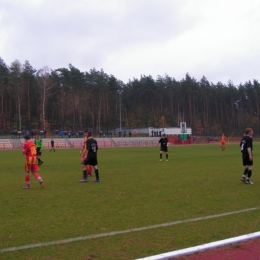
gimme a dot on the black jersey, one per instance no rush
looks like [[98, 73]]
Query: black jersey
[[92, 147], [163, 142], [246, 142]]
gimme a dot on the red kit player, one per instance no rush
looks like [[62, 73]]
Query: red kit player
[[31, 162]]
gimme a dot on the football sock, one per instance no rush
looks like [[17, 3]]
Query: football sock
[[97, 174], [245, 171], [89, 169], [160, 156], [84, 174], [37, 176], [27, 179], [166, 156], [249, 174]]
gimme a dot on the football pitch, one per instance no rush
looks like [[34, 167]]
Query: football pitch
[[141, 207]]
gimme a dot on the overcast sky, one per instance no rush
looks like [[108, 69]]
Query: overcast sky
[[218, 39]]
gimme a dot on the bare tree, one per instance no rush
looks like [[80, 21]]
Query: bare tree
[[46, 84]]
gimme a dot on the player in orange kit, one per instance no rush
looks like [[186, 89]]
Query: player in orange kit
[[223, 142], [87, 170], [31, 162]]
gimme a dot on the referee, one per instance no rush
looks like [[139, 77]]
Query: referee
[[39, 146]]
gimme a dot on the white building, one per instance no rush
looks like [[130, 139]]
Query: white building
[[170, 130]]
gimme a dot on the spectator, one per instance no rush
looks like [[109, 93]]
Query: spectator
[[19, 134], [15, 133], [41, 133], [56, 133]]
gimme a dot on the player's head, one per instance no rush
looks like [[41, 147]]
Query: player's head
[[86, 132], [249, 131], [90, 134], [27, 137], [164, 135]]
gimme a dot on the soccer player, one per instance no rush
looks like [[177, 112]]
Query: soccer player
[[29, 149], [246, 146], [39, 146], [223, 142], [87, 170], [164, 146], [91, 157], [52, 146]]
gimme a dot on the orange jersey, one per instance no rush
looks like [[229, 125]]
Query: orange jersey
[[85, 144], [29, 149], [223, 139], [84, 148]]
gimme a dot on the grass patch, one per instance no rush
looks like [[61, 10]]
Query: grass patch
[[136, 190]]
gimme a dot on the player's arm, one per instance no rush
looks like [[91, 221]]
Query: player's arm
[[81, 149], [24, 148], [250, 153], [87, 147], [40, 144]]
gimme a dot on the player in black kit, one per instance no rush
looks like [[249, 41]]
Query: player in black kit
[[246, 146], [91, 156], [164, 147]]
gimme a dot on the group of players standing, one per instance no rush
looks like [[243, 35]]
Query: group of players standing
[[246, 146], [32, 151]]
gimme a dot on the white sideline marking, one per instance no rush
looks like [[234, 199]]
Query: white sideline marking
[[69, 240], [201, 248]]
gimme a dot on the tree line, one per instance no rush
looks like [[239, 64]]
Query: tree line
[[69, 99]]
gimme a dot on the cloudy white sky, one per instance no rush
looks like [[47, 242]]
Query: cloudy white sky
[[218, 39]]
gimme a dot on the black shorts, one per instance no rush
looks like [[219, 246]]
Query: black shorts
[[245, 159], [164, 149], [38, 151], [90, 161]]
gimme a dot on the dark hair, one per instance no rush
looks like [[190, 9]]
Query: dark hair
[[248, 130], [27, 137], [86, 131], [89, 133]]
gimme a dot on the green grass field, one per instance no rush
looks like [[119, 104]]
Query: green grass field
[[136, 191]]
